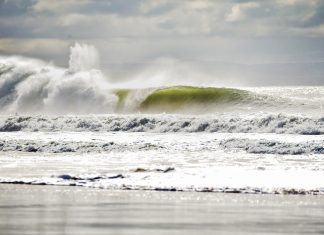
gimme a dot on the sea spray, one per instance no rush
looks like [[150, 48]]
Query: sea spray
[[83, 57], [34, 86]]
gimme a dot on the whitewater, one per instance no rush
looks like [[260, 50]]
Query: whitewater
[[77, 127]]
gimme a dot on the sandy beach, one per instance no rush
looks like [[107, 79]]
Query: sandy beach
[[26, 209]]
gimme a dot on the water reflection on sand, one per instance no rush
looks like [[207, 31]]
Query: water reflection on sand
[[26, 209]]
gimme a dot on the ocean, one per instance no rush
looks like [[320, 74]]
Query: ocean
[[100, 139], [72, 127]]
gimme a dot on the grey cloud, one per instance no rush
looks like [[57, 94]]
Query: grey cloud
[[243, 1], [116, 7], [143, 30], [15, 7], [317, 19], [112, 7], [125, 8], [91, 19], [161, 9]]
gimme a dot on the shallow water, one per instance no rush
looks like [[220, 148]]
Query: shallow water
[[31, 210]]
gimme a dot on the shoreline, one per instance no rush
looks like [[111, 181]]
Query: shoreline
[[215, 190]]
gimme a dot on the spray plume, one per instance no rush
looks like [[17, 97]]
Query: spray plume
[[33, 86]]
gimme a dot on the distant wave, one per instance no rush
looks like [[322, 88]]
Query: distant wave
[[267, 123]]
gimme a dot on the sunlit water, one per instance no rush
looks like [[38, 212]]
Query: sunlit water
[[70, 210]]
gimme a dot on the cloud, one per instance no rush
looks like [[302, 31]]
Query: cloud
[[48, 49], [316, 17], [239, 11], [233, 30], [60, 7], [145, 18], [15, 7], [90, 7]]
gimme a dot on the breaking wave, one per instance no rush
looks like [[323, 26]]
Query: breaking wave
[[161, 123], [29, 86], [33, 86]]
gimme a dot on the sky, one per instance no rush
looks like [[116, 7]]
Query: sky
[[265, 42]]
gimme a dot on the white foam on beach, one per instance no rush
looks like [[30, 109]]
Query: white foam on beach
[[164, 161]]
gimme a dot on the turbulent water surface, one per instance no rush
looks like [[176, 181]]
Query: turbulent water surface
[[72, 127]]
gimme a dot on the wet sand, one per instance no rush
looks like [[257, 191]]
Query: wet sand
[[26, 209]]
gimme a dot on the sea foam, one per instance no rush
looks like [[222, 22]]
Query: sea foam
[[162, 123]]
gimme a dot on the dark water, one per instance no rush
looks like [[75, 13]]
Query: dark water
[[68, 210]]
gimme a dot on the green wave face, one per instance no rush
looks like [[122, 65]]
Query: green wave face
[[174, 99]]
